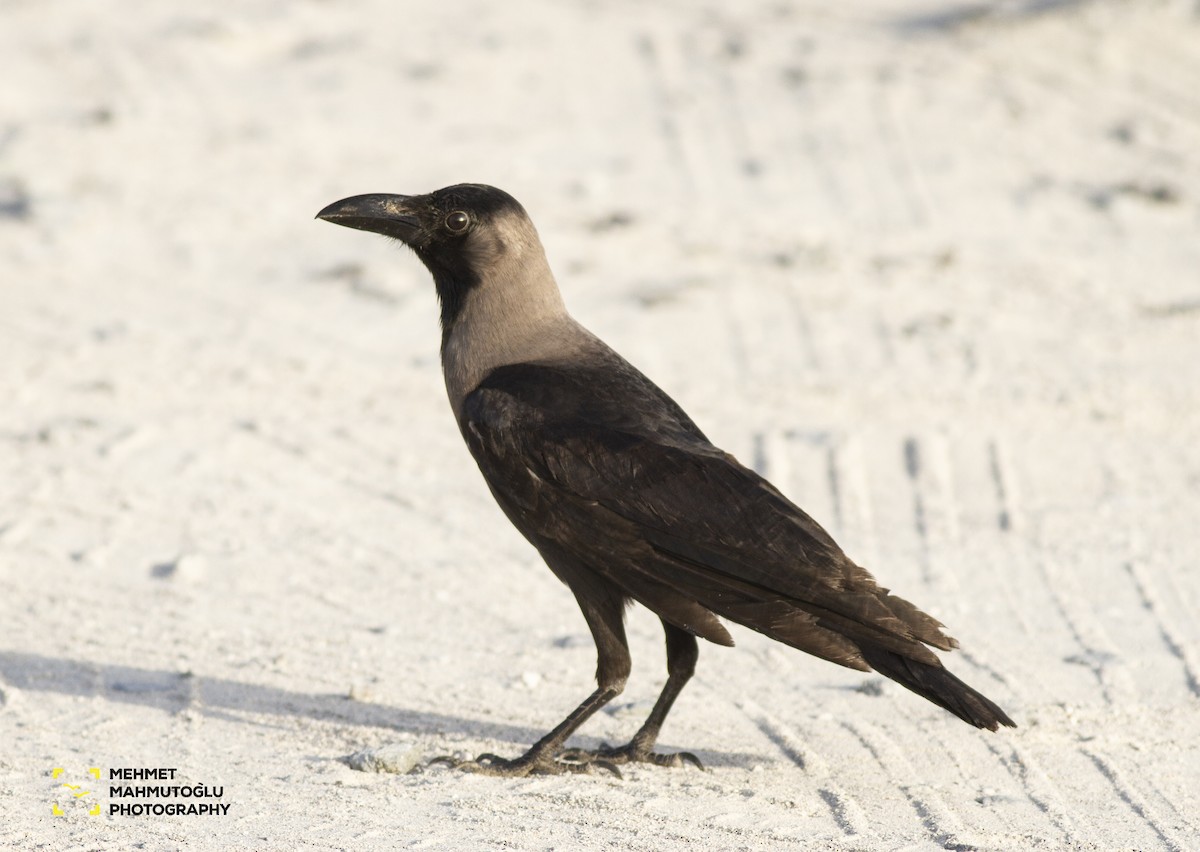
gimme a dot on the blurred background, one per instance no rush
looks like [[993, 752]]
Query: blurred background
[[933, 268]]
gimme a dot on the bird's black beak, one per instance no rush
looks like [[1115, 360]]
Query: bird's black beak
[[390, 215]]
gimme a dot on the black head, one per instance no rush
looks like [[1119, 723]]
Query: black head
[[458, 232]]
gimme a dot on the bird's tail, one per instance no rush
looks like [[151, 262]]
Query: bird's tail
[[939, 686]]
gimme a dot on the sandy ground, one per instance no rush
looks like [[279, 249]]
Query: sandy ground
[[933, 268]]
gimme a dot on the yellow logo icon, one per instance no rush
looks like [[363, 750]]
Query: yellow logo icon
[[76, 790]]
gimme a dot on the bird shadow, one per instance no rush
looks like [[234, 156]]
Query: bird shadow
[[174, 691]]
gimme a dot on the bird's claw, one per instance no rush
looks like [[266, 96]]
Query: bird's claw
[[443, 760], [527, 764], [573, 760], [610, 757]]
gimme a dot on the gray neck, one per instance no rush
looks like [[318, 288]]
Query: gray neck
[[515, 315]]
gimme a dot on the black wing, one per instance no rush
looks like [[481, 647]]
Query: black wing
[[599, 463]]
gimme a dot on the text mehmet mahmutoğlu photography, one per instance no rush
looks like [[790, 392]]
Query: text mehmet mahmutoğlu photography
[[195, 794], [154, 791]]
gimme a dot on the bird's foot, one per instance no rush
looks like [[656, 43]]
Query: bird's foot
[[530, 763], [631, 752]]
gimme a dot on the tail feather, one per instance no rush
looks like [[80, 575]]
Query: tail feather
[[936, 684]]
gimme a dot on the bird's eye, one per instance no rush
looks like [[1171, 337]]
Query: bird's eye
[[457, 222]]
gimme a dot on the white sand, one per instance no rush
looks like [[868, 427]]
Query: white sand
[[934, 269]]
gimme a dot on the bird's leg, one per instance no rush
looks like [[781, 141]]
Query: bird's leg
[[682, 653], [542, 757], [606, 620]]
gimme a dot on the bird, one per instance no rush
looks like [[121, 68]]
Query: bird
[[622, 494]]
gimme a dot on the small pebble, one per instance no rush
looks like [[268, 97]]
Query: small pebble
[[396, 758]]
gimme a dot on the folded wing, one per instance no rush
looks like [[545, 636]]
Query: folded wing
[[602, 464]]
